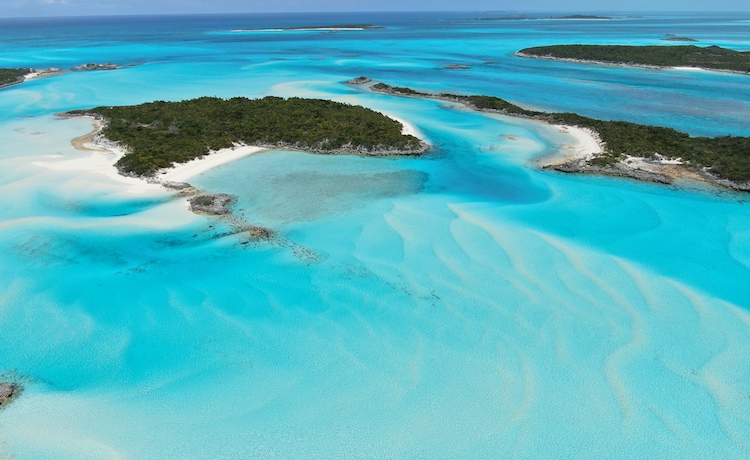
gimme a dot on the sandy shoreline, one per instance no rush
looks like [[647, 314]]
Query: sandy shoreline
[[586, 146], [106, 154], [185, 171], [101, 160], [407, 128]]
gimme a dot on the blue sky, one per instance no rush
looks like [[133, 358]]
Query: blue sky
[[16, 8]]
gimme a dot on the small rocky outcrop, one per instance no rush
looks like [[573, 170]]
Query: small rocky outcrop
[[94, 66], [211, 204], [9, 392], [261, 234], [359, 81], [179, 186]]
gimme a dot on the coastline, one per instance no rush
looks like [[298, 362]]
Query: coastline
[[588, 146], [34, 74], [177, 176], [100, 147], [101, 160], [626, 64], [407, 128], [184, 171]]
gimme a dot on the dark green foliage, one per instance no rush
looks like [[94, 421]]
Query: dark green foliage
[[11, 76], [382, 87], [727, 157], [710, 57], [160, 134]]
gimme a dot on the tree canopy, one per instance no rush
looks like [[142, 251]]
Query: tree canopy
[[160, 134], [11, 76], [709, 57]]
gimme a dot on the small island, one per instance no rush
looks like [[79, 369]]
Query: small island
[[160, 134], [709, 57], [650, 153], [10, 77], [13, 76], [521, 17], [359, 81], [94, 66], [337, 27], [675, 38], [331, 28]]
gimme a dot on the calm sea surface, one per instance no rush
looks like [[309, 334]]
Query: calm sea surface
[[459, 305]]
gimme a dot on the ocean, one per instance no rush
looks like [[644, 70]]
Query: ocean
[[463, 304]]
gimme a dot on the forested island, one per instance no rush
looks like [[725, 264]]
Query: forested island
[[722, 160], [709, 57], [160, 134], [521, 17], [13, 76], [334, 27]]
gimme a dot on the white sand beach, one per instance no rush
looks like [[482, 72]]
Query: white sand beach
[[184, 171], [104, 156], [585, 146], [407, 128]]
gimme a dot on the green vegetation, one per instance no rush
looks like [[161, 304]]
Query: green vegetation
[[727, 157], [12, 76], [710, 57], [159, 134]]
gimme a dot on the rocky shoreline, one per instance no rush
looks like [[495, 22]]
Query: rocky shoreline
[[656, 173]]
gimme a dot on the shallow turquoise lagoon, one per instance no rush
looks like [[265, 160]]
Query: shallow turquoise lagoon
[[460, 305]]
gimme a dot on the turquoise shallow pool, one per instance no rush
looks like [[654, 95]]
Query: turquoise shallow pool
[[459, 305]]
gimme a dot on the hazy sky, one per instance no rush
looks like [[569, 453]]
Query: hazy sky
[[16, 8]]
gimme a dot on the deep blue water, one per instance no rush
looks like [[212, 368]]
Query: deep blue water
[[459, 305]]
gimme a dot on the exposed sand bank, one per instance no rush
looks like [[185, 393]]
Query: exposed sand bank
[[101, 160]]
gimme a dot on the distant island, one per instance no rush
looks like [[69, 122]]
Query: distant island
[[675, 38], [10, 77], [157, 135], [13, 76], [528, 18], [335, 27], [660, 154], [94, 66], [710, 57]]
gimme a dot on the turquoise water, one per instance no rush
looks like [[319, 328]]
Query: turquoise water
[[459, 305]]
